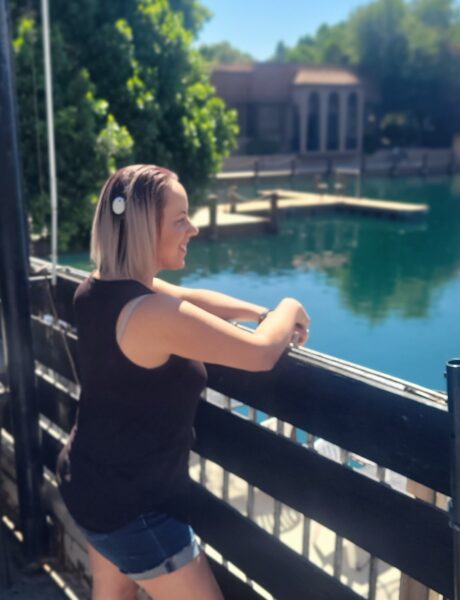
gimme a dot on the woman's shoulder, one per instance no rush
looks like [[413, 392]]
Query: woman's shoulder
[[155, 305]]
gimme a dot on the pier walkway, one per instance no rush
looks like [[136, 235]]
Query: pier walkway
[[261, 215]]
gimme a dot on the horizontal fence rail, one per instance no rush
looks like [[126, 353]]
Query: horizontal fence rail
[[395, 428], [377, 518], [399, 426]]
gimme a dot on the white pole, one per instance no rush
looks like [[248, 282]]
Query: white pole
[[51, 147]]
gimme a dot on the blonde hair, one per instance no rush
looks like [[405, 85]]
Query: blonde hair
[[123, 245]]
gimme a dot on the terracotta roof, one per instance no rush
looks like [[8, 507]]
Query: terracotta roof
[[325, 76], [272, 82]]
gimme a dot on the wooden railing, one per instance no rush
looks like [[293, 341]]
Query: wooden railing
[[398, 426], [404, 161]]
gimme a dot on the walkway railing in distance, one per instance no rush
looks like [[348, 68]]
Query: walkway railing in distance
[[321, 400], [404, 161]]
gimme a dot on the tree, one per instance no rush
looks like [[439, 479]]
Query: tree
[[329, 45], [128, 87], [88, 139], [224, 53], [411, 53], [194, 15]]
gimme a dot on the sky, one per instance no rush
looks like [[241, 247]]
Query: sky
[[256, 26]]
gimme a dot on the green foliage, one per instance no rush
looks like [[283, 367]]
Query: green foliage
[[194, 15], [410, 51], [330, 45], [223, 53], [128, 87]]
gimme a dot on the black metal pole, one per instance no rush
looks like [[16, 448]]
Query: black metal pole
[[14, 293], [453, 393]]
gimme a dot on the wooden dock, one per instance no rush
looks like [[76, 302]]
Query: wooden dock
[[261, 215], [228, 223]]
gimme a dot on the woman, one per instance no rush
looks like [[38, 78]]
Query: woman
[[141, 344]]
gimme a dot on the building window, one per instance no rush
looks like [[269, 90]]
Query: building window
[[313, 122], [251, 125], [269, 121], [333, 122]]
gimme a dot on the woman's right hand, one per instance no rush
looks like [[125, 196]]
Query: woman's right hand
[[302, 322]]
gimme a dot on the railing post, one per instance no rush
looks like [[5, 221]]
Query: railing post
[[256, 173], [424, 166], [358, 184], [14, 292], [293, 170], [453, 394], [394, 163]]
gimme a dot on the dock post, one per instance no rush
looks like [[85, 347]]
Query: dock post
[[213, 230], [16, 320], [453, 396], [256, 172], [274, 213], [232, 197]]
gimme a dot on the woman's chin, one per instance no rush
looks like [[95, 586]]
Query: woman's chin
[[177, 265]]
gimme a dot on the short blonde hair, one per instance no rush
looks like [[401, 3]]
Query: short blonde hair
[[123, 245]]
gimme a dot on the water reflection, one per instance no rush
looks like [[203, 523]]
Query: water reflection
[[378, 266]]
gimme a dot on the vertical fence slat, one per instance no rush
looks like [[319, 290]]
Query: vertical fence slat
[[453, 394]]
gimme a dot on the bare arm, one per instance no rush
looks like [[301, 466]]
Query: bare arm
[[179, 327], [223, 306]]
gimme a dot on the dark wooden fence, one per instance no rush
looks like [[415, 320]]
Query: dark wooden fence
[[399, 427]]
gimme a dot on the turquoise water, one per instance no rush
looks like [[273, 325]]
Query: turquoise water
[[384, 294]]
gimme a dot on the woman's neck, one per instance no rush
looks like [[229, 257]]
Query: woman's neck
[[97, 275]]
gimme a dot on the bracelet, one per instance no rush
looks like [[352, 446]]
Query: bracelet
[[264, 315]]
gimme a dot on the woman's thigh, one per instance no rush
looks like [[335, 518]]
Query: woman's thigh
[[108, 580], [193, 581]]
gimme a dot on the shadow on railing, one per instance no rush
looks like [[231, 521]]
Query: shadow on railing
[[304, 477]]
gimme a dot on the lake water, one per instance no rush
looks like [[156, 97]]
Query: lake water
[[384, 294]]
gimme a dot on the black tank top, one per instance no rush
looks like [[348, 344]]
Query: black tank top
[[128, 452]]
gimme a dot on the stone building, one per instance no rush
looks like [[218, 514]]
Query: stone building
[[287, 108]]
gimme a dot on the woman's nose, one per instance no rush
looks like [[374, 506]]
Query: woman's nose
[[193, 230]]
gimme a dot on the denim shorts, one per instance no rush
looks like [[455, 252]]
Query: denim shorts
[[153, 544]]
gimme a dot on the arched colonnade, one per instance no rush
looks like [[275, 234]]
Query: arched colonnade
[[328, 120]]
